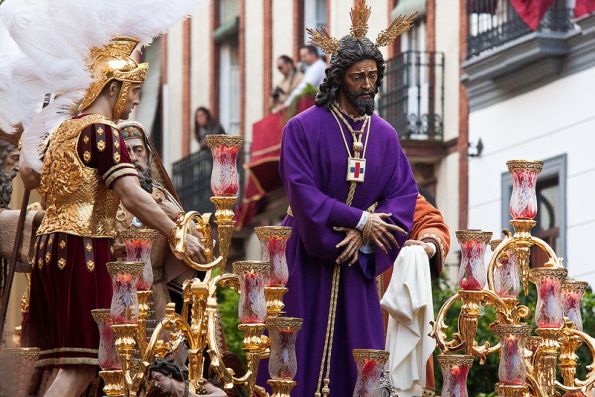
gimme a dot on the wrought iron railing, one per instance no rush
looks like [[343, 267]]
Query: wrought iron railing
[[192, 179], [412, 97], [492, 23]]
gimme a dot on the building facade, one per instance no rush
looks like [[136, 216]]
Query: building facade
[[530, 97], [225, 57]]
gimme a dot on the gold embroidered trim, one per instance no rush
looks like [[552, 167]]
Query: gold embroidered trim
[[438, 240], [116, 157], [100, 130], [87, 155], [69, 349], [101, 145], [90, 265], [116, 167], [67, 361], [124, 171], [62, 243]]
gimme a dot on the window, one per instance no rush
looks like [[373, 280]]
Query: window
[[551, 207], [315, 16]]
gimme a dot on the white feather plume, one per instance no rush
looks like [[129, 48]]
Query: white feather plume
[[56, 36]]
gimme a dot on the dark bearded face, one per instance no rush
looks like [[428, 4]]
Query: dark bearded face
[[145, 175], [362, 101], [359, 86]]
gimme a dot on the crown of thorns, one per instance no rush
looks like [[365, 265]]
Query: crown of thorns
[[360, 13]]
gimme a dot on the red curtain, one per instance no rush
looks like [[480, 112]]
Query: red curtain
[[584, 7], [532, 11]]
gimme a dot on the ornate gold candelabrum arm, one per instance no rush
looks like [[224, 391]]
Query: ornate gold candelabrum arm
[[254, 344], [224, 219], [125, 344], [144, 298]]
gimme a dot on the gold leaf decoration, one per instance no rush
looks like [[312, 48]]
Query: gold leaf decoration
[[360, 13], [400, 25], [322, 39]]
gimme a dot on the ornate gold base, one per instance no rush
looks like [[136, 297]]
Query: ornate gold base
[[428, 393], [144, 297], [512, 390], [254, 339], [281, 387], [125, 337], [274, 298], [113, 383]]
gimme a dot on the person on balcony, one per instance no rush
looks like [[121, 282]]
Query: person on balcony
[[352, 196], [205, 124], [291, 78], [314, 75]]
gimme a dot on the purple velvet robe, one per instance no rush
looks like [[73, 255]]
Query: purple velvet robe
[[313, 168]]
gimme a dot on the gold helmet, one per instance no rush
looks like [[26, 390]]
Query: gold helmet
[[114, 62]]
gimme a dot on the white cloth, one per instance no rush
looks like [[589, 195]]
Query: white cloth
[[408, 300], [314, 75]]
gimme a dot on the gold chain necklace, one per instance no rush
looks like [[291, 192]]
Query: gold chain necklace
[[356, 164]]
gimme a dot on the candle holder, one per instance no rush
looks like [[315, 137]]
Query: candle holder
[[282, 335], [472, 273], [124, 307], [274, 243], [252, 308], [507, 282], [512, 369], [138, 244], [549, 311], [108, 357], [572, 293], [528, 363], [370, 365], [523, 202], [224, 178], [455, 369]]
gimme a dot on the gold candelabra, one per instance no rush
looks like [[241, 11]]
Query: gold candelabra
[[524, 370], [197, 326]]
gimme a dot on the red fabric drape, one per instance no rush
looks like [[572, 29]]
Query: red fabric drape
[[584, 7], [532, 11], [262, 175]]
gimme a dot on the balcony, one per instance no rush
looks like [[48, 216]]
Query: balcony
[[510, 52], [191, 177], [493, 23], [412, 97]]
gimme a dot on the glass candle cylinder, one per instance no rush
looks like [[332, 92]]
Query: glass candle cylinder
[[548, 311], [572, 293], [455, 368], [472, 272], [282, 335], [370, 365], [125, 275], [108, 357], [512, 369], [523, 202], [138, 244], [507, 280], [252, 307], [274, 242], [224, 177]]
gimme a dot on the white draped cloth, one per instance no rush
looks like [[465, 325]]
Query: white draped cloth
[[408, 301]]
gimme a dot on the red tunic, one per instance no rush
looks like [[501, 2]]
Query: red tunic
[[69, 276]]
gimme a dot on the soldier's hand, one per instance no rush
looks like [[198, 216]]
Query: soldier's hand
[[195, 249], [352, 242], [429, 248], [381, 232]]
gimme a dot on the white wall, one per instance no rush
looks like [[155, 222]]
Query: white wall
[[447, 41], [283, 21], [254, 31], [173, 135], [552, 120], [200, 66]]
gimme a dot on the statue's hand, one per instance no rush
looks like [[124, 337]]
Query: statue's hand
[[195, 249], [352, 242]]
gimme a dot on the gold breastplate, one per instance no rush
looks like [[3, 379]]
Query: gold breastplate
[[77, 200]]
